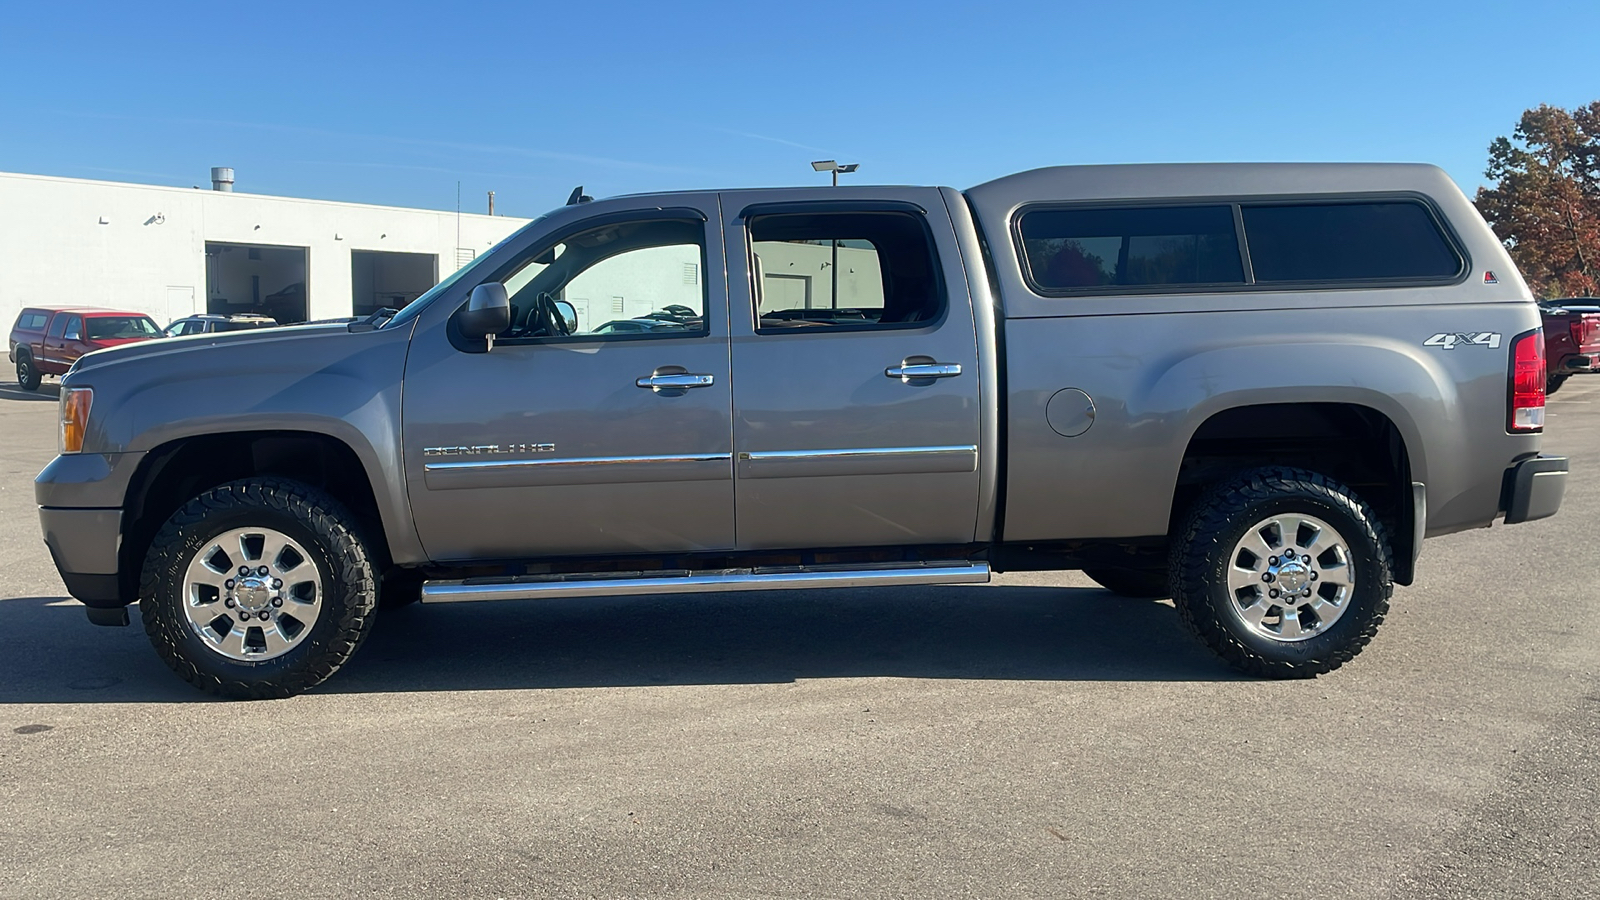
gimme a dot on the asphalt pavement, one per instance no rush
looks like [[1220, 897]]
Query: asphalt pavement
[[1035, 737]]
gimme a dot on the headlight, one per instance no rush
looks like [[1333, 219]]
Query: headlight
[[75, 404]]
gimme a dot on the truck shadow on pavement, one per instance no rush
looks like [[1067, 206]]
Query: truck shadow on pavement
[[49, 654], [49, 391]]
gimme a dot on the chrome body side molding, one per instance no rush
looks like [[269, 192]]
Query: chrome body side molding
[[858, 461]]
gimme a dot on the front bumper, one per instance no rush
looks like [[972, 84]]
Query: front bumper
[[1533, 488], [83, 544]]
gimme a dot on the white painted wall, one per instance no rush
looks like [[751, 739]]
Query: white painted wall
[[142, 247]]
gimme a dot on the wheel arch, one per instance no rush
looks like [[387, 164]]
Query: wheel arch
[[1357, 444], [181, 468]]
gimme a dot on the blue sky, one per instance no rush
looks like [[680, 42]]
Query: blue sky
[[395, 102]]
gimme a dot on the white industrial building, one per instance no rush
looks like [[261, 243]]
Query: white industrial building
[[172, 252]]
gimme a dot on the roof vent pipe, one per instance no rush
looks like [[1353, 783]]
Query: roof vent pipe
[[221, 178]]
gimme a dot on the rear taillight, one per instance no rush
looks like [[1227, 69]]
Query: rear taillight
[[1582, 329], [1527, 383]]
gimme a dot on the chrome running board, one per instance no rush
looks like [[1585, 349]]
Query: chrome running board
[[685, 581]]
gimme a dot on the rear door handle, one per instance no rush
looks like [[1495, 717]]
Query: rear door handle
[[917, 371], [683, 381]]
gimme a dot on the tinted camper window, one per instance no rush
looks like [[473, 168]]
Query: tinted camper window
[[1069, 250], [1384, 240]]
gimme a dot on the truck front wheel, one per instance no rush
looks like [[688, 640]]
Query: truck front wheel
[[28, 377], [1283, 572], [257, 588]]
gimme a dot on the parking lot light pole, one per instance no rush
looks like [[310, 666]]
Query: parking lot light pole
[[828, 165]]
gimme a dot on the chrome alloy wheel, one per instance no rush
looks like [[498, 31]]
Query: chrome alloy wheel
[[1291, 577], [252, 594]]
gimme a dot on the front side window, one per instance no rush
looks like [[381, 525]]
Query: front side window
[[1133, 247], [1347, 242], [842, 270], [105, 328], [642, 279], [74, 330]]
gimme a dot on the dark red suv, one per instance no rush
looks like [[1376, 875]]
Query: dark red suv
[[48, 340]]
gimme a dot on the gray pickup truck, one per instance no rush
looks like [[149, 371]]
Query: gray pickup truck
[[1252, 388]]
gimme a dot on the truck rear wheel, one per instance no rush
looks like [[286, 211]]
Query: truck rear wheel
[[1554, 382], [28, 377], [1283, 572], [1138, 584], [257, 589]]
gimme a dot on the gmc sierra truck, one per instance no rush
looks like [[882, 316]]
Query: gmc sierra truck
[[1253, 388]]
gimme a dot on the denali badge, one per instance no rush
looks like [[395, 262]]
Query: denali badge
[[1490, 339], [489, 450]]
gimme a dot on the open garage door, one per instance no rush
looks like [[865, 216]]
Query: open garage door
[[380, 278], [266, 280]]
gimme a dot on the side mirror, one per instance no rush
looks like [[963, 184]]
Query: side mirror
[[487, 313], [569, 317]]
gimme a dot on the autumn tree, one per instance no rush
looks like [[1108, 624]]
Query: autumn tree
[[1545, 199]]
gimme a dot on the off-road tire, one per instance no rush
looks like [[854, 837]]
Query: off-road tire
[[1200, 558], [28, 376], [1138, 584], [1553, 383], [314, 519]]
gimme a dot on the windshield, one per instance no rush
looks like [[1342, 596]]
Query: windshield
[[110, 328], [415, 307]]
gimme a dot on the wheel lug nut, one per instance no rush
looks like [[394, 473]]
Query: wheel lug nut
[[1306, 592], [228, 584], [244, 617], [1273, 561], [244, 570], [262, 571], [1273, 593], [263, 615], [277, 584], [1313, 576], [1267, 577], [277, 601], [228, 603], [1306, 560]]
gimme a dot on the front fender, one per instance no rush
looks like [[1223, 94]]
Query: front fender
[[334, 383]]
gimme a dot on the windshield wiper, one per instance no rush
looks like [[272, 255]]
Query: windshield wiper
[[374, 321]]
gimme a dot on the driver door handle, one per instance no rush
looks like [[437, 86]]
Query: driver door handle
[[674, 382], [923, 370]]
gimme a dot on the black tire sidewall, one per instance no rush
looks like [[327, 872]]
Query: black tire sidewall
[[28, 376], [1368, 599], [294, 670]]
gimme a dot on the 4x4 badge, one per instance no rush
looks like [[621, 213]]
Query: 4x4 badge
[[1490, 339]]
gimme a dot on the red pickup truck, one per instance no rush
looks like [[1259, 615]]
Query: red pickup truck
[[1571, 338], [48, 340]]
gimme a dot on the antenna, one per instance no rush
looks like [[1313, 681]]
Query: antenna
[[578, 196]]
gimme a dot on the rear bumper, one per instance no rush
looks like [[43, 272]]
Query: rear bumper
[[83, 544], [1534, 488]]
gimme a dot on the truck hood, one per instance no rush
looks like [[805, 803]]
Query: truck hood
[[192, 345]]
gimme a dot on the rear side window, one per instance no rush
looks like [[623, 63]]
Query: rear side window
[[1304, 242], [843, 270], [1074, 249], [105, 328], [32, 321]]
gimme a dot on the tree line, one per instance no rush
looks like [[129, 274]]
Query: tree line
[[1544, 202]]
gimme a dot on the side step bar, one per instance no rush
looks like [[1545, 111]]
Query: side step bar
[[683, 581]]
